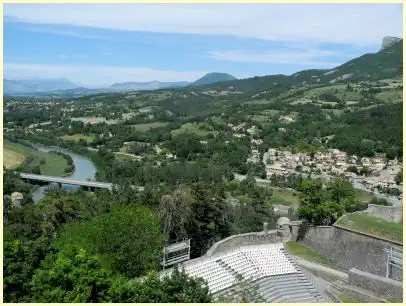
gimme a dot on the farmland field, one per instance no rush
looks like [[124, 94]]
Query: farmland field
[[193, 129], [146, 126], [12, 158]]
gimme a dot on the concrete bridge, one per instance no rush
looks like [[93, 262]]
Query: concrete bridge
[[44, 179]]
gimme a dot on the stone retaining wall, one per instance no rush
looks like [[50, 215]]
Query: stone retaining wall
[[242, 240], [381, 286], [388, 213], [349, 248]]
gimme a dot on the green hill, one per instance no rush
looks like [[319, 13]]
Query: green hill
[[384, 64], [213, 77]]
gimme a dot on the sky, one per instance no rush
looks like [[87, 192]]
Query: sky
[[95, 45]]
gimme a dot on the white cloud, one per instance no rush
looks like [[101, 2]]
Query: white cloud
[[96, 75], [78, 33], [357, 24], [310, 57]]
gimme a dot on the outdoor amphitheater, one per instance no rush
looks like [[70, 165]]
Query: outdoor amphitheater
[[269, 267], [367, 268]]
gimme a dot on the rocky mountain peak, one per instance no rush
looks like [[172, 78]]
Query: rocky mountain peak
[[388, 41]]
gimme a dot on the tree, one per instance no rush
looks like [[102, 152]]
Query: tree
[[365, 171], [399, 177], [24, 222], [60, 207], [352, 169], [69, 276], [128, 238], [323, 214], [36, 169], [12, 182], [20, 259], [208, 223], [176, 288], [175, 211], [340, 190], [314, 204]]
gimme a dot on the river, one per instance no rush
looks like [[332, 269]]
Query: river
[[84, 170]]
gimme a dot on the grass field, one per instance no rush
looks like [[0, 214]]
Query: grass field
[[363, 196], [192, 128], [309, 254], [146, 126], [285, 197], [345, 298], [341, 93], [373, 226], [54, 164], [11, 158], [123, 157], [389, 95], [77, 137]]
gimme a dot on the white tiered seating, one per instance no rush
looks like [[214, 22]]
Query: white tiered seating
[[216, 276], [269, 261], [240, 264], [250, 262]]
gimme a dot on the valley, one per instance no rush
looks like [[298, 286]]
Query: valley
[[257, 168]]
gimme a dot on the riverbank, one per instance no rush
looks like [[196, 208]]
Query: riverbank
[[19, 156], [69, 146]]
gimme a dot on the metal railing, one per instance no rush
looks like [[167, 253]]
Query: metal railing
[[395, 259]]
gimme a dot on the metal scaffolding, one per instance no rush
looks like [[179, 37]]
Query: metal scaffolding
[[395, 259], [175, 253]]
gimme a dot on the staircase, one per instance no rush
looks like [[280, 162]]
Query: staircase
[[320, 297], [288, 288], [228, 268]]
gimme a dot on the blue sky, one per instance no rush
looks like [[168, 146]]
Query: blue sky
[[99, 44]]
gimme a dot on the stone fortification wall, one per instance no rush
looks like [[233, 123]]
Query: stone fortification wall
[[388, 213], [235, 241], [381, 286], [349, 248]]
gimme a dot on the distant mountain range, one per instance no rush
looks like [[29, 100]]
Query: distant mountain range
[[153, 85], [384, 64], [40, 87], [37, 85]]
